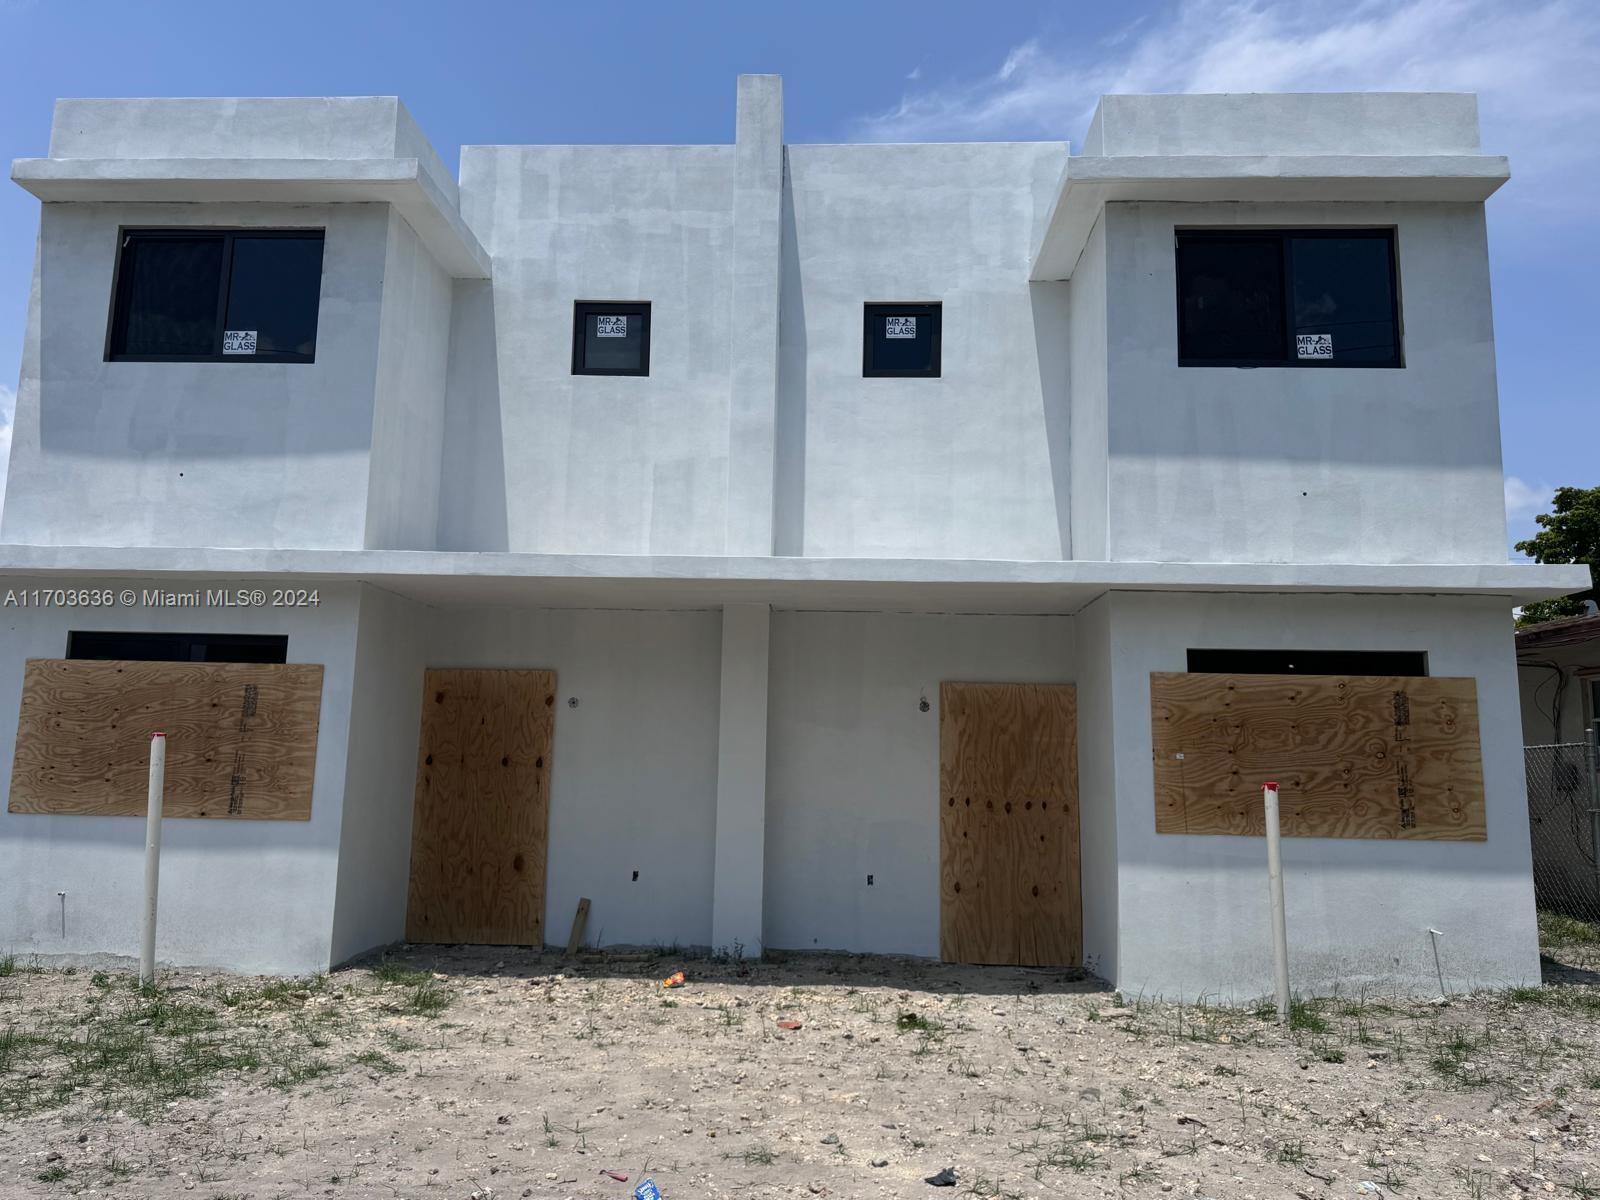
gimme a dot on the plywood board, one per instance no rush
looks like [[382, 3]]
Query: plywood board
[[241, 738], [480, 827], [1354, 756], [1008, 824]]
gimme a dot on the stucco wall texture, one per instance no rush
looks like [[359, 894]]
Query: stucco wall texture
[[732, 770], [443, 413]]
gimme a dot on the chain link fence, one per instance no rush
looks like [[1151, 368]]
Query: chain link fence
[[1564, 809]]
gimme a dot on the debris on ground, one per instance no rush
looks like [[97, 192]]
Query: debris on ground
[[437, 1072]]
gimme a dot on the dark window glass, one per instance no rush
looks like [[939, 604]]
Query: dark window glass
[[178, 647], [202, 295], [168, 295], [901, 339], [273, 292], [611, 339], [1310, 662], [1231, 292], [1344, 299], [1274, 298]]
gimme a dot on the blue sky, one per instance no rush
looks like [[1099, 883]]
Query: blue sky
[[486, 73]]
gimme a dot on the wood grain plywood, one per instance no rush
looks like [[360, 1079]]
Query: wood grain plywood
[[1008, 824], [480, 827], [241, 738], [1354, 756]]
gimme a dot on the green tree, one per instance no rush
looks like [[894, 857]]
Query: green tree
[[1568, 533]]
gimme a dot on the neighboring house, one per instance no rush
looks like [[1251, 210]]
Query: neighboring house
[[900, 548], [1558, 668]]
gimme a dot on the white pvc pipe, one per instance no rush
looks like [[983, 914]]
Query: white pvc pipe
[[152, 856], [1280, 932]]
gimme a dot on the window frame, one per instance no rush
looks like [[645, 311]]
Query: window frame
[[225, 282], [582, 310], [215, 647], [873, 309], [1256, 660], [1389, 234]]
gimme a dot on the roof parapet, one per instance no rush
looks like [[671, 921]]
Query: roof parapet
[[1350, 146], [327, 149]]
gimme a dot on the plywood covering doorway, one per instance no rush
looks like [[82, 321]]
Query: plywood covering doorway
[[1009, 888], [480, 827]]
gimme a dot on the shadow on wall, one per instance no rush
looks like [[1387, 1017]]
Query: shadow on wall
[[472, 484], [789, 526], [1051, 333]]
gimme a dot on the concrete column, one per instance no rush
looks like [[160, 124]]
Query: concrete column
[[736, 889], [757, 251]]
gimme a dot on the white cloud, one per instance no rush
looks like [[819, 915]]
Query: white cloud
[[1533, 66], [1524, 501]]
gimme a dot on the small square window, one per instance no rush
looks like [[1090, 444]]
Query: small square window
[[1287, 298], [198, 295], [611, 338], [901, 340]]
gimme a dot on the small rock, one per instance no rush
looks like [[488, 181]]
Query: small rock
[[82, 1138], [53, 1156], [831, 1140], [880, 1162], [945, 1178]]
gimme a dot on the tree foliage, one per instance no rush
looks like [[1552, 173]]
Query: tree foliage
[[1568, 533]]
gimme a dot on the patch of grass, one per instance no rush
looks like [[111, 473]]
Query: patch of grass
[[292, 1069], [1558, 931], [394, 974], [910, 1022], [759, 1155], [425, 999], [54, 1173], [377, 1061], [8, 965], [1291, 1154]]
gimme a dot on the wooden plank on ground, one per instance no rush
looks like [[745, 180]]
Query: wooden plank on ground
[[241, 738], [1354, 756], [1008, 824], [579, 920], [479, 831]]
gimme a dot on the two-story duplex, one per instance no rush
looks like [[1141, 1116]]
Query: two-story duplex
[[925, 549]]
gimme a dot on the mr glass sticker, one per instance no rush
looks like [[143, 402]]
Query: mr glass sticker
[[611, 326], [900, 327], [1314, 345], [239, 341]]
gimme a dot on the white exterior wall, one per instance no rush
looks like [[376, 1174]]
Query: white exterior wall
[[601, 464], [408, 404], [954, 467], [246, 895], [1193, 910], [853, 765], [193, 454], [633, 782], [1218, 464], [1542, 696], [374, 867]]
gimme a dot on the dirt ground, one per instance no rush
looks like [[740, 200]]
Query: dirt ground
[[455, 1073]]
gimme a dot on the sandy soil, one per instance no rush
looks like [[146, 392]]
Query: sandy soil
[[455, 1073]]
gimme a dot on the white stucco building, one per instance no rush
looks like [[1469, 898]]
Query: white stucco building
[[755, 446]]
